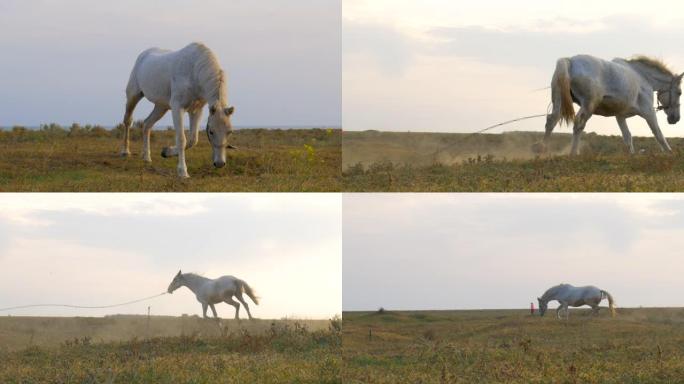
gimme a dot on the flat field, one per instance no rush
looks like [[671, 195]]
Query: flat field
[[510, 346], [133, 349], [452, 162], [87, 160]]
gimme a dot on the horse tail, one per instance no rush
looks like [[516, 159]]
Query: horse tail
[[249, 291], [611, 302], [561, 81]]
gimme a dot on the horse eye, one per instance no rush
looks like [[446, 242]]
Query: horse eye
[[211, 133]]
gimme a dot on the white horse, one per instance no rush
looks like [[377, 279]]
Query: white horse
[[571, 296], [620, 88], [183, 81], [213, 291]]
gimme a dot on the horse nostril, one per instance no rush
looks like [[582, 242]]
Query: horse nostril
[[219, 164]]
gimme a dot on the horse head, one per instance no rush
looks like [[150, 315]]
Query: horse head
[[668, 99], [176, 283], [219, 128], [543, 305]]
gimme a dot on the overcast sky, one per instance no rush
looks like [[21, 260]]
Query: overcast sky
[[471, 251], [100, 249], [437, 65], [69, 61]]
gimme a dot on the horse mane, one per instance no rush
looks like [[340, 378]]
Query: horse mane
[[210, 75], [552, 290], [652, 62]]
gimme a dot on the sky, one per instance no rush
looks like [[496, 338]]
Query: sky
[[480, 251], [68, 61], [102, 249], [439, 66]]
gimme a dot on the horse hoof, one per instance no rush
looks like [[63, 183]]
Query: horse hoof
[[125, 154], [165, 152]]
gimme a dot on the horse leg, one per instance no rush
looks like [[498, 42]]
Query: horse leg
[[595, 310], [213, 310], [653, 124], [157, 113], [626, 135], [179, 149], [131, 101], [239, 297], [195, 117], [204, 310], [581, 119], [553, 117], [235, 304]]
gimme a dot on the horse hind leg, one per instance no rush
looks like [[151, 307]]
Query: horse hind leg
[[235, 304], [583, 115], [213, 310], [242, 300], [132, 100], [156, 114], [553, 118]]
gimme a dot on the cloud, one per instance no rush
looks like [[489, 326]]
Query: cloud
[[283, 59], [91, 244], [390, 48], [497, 251], [541, 44]]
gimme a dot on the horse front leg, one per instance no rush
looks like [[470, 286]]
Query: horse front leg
[[652, 121], [204, 310], [195, 118], [626, 135], [179, 149]]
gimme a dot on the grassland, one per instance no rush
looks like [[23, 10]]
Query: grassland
[[168, 350], [82, 159], [510, 346], [445, 162]]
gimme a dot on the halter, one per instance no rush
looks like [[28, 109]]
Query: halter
[[670, 90]]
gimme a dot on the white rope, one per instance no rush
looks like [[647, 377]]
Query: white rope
[[81, 306]]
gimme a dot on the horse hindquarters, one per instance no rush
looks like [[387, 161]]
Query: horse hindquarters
[[561, 97]]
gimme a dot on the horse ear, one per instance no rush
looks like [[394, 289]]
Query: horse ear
[[179, 273], [539, 298], [229, 111]]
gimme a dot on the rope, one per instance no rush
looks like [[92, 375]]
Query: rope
[[434, 154], [81, 306], [509, 122]]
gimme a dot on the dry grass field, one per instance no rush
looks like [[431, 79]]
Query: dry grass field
[[81, 159], [510, 346], [445, 162], [133, 349]]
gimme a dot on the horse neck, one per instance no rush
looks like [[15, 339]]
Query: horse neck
[[550, 293], [193, 282], [215, 95], [655, 77], [212, 82]]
